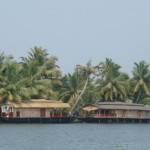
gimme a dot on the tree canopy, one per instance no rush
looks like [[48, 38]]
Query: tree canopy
[[38, 76]]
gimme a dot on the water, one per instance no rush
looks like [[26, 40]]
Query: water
[[74, 136]]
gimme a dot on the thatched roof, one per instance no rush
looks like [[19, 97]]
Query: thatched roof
[[39, 104], [90, 108], [116, 106]]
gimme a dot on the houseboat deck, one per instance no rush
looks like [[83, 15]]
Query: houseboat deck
[[36, 120]]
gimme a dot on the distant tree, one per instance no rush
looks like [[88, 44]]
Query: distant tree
[[141, 81], [9, 78], [71, 88], [40, 74], [84, 72], [2, 58], [38, 54], [114, 85]]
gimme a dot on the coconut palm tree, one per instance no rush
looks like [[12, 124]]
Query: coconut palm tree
[[90, 95], [84, 73], [141, 81], [38, 54], [40, 74], [71, 88], [49, 70], [2, 58], [9, 78], [114, 85]]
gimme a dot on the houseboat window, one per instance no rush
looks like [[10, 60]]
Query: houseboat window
[[106, 112], [124, 113], [51, 113], [140, 114], [10, 109], [18, 114], [57, 112], [102, 111], [95, 112], [65, 112], [7, 109]]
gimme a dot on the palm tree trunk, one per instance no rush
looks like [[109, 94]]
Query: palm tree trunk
[[137, 100], [79, 96]]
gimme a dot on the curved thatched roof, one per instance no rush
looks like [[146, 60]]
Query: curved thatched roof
[[116, 106], [41, 103]]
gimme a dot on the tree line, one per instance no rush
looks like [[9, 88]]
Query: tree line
[[38, 76]]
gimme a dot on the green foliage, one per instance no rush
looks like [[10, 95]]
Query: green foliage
[[113, 84], [31, 78], [141, 81], [38, 76], [71, 88]]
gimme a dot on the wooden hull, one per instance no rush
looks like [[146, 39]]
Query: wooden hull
[[112, 120], [37, 120]]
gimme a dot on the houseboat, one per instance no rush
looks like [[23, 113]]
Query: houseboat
[[115, 112], [36, 111]]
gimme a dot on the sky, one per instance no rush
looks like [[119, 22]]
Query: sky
[[76, 31]]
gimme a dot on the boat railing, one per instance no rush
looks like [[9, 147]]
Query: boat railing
[[59, 115], [7, 114], [100, 115]]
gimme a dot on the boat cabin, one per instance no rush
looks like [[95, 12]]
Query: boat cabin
[[114, 111], [35, 108]]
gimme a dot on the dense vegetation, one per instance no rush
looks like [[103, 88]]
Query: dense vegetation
[[37, 76]]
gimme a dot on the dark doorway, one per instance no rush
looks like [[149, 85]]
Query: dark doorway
[[18, 114], [42, 110]]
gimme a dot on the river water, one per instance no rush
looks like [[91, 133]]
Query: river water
[[75, 136]]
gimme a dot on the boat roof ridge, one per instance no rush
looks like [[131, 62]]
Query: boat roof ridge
[[118, 103]]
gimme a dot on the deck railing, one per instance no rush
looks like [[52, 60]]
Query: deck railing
[[59, 115], [100, 115]]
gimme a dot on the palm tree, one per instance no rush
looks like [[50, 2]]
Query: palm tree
[[2, 58], [71, 88], [90, 95], [114, 85], [84, 72], [49, 70], [38, 54], [141, 81], [40, 74], [9, 78]]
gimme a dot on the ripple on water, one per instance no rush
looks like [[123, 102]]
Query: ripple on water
[[74, 136]]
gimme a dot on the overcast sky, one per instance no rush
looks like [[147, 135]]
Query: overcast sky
[[78, 30]]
